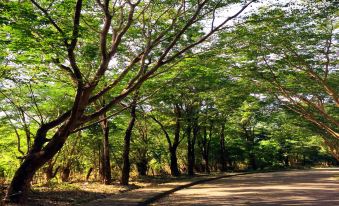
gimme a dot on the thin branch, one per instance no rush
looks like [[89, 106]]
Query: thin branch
[[35, 103], [163, 129], [45, 12]]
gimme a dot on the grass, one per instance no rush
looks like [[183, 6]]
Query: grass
[[55, 193], [72, 193], [75, 193]]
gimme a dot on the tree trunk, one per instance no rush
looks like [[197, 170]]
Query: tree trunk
[[174, 162], [142, 166], [89, 173], [106, 166], [222, 154], [286, 161], [252, 157], [176, 141], [49, 173], [20, 185], [126, 163], [205, 147], [65, 172], [250, 143], [37, 157], [195, 135], [190, 158], [173, 149], [253, 161]]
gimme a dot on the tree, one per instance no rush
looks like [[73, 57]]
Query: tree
[[291, 52], [127, 141], [173, 144], [83, 46]]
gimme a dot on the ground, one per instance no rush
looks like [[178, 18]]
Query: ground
[[296, 187], [81, 192], [305, 187], [73, 193]]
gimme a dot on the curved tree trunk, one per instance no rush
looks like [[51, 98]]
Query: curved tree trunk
[[176, 141], [39, 154], [21, 182], [126, 163]]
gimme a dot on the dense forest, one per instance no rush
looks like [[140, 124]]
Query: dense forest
[[111, 90]]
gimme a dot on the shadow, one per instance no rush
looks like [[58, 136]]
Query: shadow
[[312, 187], [66, 197]]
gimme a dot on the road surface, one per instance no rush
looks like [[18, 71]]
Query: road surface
[[301, 187]]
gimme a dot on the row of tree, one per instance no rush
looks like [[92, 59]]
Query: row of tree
[[167, 86]]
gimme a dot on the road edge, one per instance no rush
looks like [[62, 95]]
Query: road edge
[[168, 192]]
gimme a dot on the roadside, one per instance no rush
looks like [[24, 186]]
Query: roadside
[[146, 190], [149, 194], [95, 193]]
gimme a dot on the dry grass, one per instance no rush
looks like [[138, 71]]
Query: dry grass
[[55, 193], [75, 193]]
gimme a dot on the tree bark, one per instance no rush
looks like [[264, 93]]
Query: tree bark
[[192, 127], [41, 153], [222, 160], [142, 166], [127, 141], [89, 173], [195, 136], [253, 161], [190, 161], [190, 148], [206, 147], [65, 173], [106, 166], [20, 185], [174, 162], [173, 149]]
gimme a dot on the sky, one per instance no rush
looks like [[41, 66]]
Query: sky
[[234, 8]]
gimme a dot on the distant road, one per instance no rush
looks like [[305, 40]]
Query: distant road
[[308, 187]]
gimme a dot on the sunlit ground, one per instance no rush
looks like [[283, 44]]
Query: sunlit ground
[[313, 187]]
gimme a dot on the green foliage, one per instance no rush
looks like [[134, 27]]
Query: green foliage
[[228, 85]]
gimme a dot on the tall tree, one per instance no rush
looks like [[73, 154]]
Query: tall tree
[[127, 142], [94, 43], [173, 144]]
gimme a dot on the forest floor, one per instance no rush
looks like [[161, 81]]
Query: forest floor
[[298, 187], [81, 192], [73, 193]]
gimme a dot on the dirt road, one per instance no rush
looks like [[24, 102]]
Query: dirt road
[[309, 187]]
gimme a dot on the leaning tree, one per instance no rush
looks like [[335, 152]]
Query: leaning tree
[[291, 51], [103, 49]]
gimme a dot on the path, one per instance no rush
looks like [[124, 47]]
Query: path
[[302, 187], [146, 194]]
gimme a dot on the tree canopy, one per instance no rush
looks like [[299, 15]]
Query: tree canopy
[[164, 87]]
